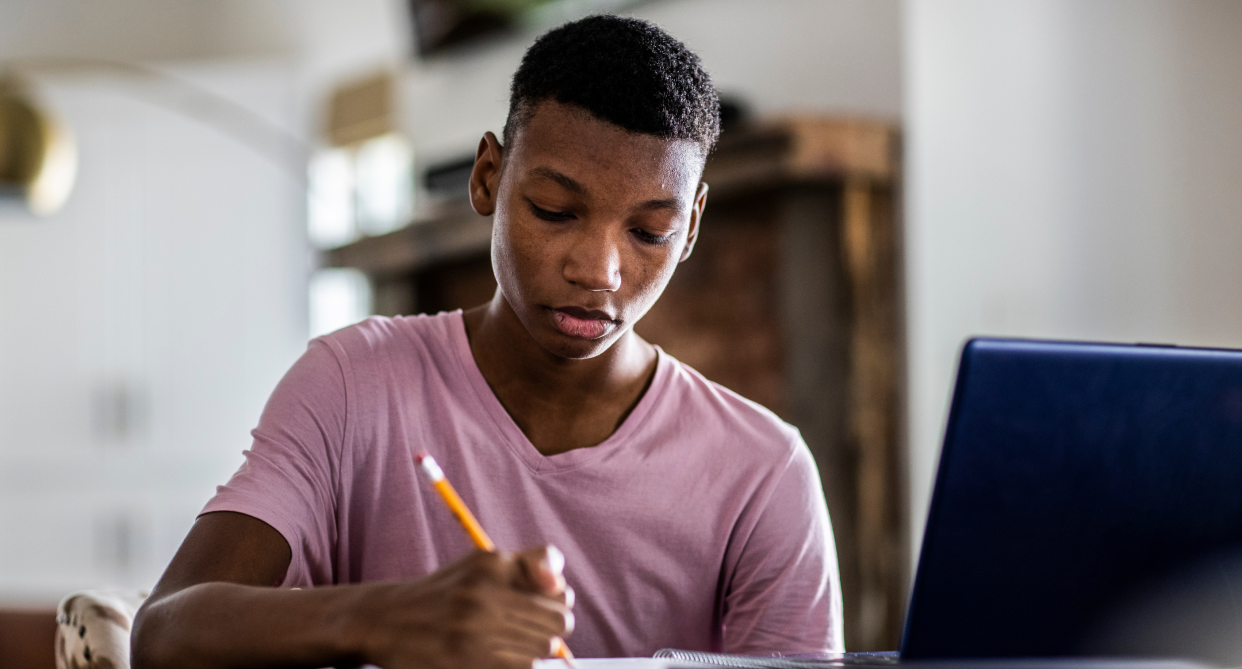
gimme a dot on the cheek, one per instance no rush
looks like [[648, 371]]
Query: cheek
[[516, 257], [652, 274], [503, 261]]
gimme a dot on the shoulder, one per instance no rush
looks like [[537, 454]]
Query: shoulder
[[384, 355], [748, 429], [380, 341], [379, 335]]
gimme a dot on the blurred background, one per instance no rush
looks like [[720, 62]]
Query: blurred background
[[189, 191]]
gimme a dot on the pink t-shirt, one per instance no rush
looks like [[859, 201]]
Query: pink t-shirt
[[700, 524]]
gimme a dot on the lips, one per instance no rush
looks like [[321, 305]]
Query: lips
[[582, 324]]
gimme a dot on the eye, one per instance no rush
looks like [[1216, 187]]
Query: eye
[[547, 215], [648, 238]]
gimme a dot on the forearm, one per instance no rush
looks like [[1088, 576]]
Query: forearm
[[216, 625], [212, 609]]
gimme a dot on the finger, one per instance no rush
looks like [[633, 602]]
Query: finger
[[564, 617], [544, 570], [515, 660], [517, 637], [481, 566], [568, 597], [553, 560], [547, 616], [536, 646], [532, 570]]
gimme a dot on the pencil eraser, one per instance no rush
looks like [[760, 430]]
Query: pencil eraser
[[429, 466]]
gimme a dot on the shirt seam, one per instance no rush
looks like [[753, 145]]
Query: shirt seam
[[768, 492], [341, 358]]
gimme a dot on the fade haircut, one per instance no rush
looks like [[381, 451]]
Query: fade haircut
[[624, 71]]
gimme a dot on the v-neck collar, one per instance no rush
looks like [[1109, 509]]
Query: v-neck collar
[[517, 441]]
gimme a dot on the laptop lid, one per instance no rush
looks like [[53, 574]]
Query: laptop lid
[[1074, 478]]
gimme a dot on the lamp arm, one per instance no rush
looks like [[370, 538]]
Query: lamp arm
[[283, 148]]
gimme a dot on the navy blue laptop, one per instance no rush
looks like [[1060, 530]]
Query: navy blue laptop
[[1077, 483]]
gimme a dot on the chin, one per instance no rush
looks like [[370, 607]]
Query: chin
[[567, 346], [575, 349], [540, 326]]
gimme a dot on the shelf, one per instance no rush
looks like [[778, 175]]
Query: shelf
[[451, 232], [773, 153]]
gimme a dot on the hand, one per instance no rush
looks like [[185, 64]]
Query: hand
[[485, 611]]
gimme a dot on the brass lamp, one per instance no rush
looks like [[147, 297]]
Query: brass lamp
[[38, 158]]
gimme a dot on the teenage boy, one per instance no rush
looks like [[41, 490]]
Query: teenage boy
[[685, 515]]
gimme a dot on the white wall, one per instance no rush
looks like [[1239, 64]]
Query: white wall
[[170, 294], [1073, 172], [823, 56], [325, 39], [174, 281], [340, 31]]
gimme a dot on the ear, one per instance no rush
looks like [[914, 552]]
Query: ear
[[485, 177], [696, 216]]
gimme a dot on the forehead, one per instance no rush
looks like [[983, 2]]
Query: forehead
[[601, 155]]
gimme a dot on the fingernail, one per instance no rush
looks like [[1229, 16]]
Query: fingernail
[[553, 560]]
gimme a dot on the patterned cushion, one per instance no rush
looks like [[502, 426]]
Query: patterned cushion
[[93, 629]]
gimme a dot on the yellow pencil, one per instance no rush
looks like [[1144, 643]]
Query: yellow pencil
[[436, 475]]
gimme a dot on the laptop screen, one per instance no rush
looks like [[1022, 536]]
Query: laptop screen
[[1076, 480]]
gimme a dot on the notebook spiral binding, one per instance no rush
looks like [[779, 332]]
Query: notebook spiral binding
[[723, 660], [777, 662]]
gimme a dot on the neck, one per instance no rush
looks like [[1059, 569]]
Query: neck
[[506, 353], [560, 403]]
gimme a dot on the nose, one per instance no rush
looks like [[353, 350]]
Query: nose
[[594, 262]]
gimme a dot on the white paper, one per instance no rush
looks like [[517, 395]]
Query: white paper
[[614, 663], [606, 663]]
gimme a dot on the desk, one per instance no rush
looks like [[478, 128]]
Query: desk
[[872, 660], [26, 638]]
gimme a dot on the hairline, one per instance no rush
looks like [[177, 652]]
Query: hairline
[[521, 113]]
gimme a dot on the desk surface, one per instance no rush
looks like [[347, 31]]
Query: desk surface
[[848, 661]]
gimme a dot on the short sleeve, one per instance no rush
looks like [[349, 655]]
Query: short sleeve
[[784, 595], [291, 473]]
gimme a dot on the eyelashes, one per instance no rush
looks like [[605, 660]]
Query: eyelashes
[[562, 216], [648, 238], [553, 216]]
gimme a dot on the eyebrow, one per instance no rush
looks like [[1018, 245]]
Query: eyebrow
[[565, 181], [574, 186], [655, 205]]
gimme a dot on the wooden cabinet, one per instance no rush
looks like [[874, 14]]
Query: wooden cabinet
[[27, 638], [791, 298]]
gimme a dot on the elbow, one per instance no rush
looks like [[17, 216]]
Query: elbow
[[146, 642]]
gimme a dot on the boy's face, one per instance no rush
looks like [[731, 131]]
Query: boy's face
[[590, 222]]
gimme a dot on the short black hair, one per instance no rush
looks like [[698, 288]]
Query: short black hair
[[624, 71]]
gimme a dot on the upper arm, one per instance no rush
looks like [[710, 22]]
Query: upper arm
[[228, 547], [273, 521], [290, 481]]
